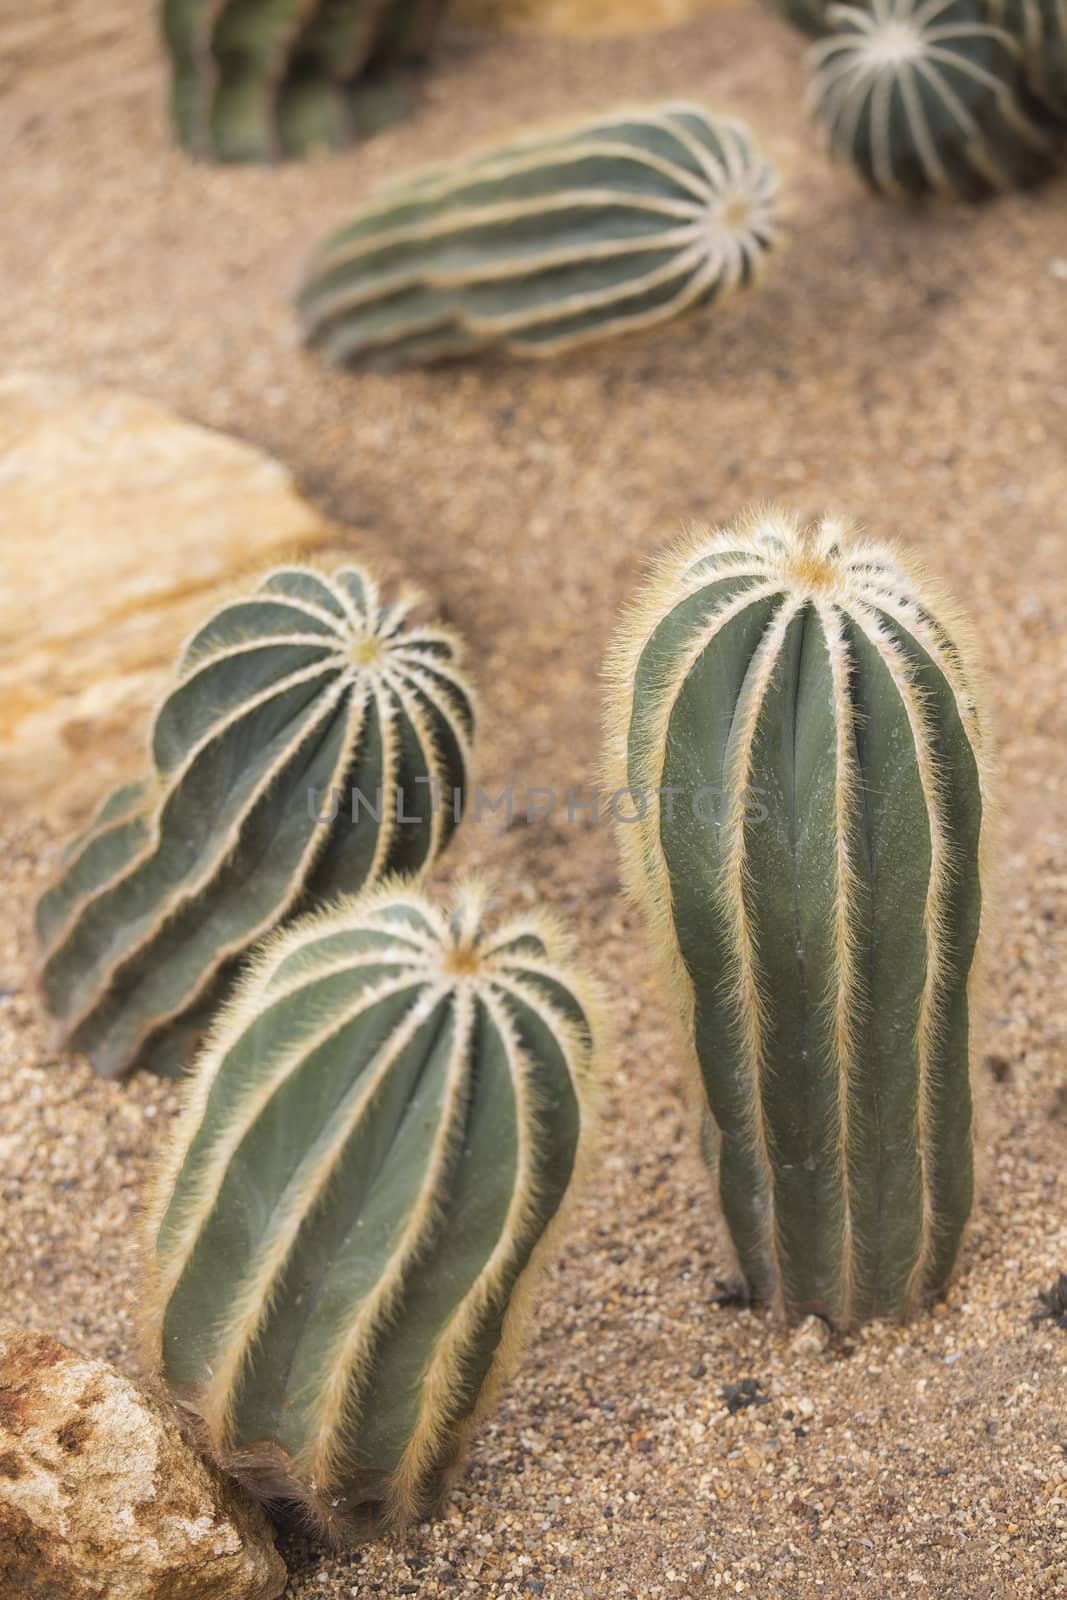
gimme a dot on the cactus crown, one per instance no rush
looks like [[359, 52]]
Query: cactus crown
[[381, 1128], [569, 235], [821, 920], [307, 688], [928, 95]]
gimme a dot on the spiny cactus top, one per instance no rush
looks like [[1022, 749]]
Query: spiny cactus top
[[378, 1135], [566, 236], [258, 79], [795, 715], [310, 744], [929, 95]]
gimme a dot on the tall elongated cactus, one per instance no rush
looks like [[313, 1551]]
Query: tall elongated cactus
[[566, 236], [311, 744], [377, 1137], [258, 79], [795, 715], [927, 95]]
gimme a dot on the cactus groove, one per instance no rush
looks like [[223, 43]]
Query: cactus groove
[[569, 235], [311, 744], [343, 1233], [795, 708], [929, 95], [254, 80]]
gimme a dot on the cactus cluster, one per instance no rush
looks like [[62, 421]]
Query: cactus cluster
[[938, 95], [796, 716], [311, 743], [379, 1133], [542, 245], [255, 80]]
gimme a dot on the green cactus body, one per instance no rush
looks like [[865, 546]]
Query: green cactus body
[[801, 728], [927, 95], [807, 15], [254, 80], [377, 1137], [310, 744], [538, 247], [1041, 27]]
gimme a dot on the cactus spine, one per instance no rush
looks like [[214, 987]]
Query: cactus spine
[[541, 246], [376, 1139], [928, 95], [310, 744], [254, 80], [822, 925]]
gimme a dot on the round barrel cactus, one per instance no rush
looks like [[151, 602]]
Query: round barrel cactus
[[310, 744], [254, 80], [929, 95], [347, 1223], [566, 236], [795, 716]]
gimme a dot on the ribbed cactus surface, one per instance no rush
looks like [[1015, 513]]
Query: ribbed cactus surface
[[376, 1138], [1041, 28], [540, 246], [310, 744], [794, 714], [254, 80], [929, 95]]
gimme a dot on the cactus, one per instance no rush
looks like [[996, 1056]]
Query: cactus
[[309, 745], [795, 717], [346, 1225], [254, 80], [929, 95], [566, 236], [1041, 28], [807, 15]]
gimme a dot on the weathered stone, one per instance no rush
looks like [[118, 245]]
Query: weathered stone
[[100, 1497], [585, 17], [120, 525]]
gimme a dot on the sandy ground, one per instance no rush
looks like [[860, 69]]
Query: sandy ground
[[906, 368]]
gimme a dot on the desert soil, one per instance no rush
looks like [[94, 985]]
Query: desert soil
[[907, 368]]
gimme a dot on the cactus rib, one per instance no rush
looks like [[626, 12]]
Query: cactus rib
[[379, 1133], [822, 933], [308, 689], [929, 95], [566, 236]]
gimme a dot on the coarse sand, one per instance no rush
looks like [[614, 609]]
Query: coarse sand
[[906, 367]]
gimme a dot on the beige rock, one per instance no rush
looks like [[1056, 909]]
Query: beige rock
[[101, 1499], [587, 18], [811, 1338], [120, 524]]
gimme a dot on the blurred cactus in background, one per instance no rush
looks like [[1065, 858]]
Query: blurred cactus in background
[[311, 744], [929, 95], [256, 80], [547, 243], [1041, 28], [807, 15], [793, 712], [348, 1220]]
